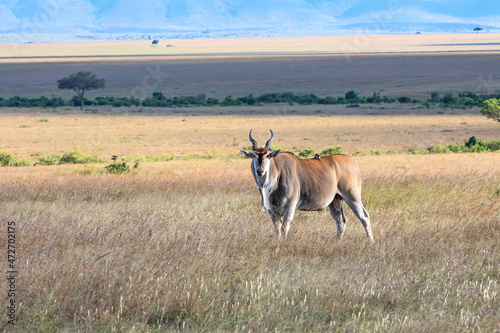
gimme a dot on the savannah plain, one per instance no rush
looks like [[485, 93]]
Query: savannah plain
[[182, 245]]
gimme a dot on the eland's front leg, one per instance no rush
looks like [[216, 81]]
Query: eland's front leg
[[287, 220], [277, 223]]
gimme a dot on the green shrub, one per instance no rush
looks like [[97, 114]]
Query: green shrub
[[479, 148], [493, 145], [376, 151], [448, 98], [404, 99], [275, 147], [49, 159], [491, 109], [18, 162], [212, 155], [471, 142], [351, 96], [76, 156], [359, 153], [435, 98], [7, 159], [438, 149], [374, 99], [474, 146], [416, 152], [455, 148], [229, 101], [160, 158], [120, 168], [395, 152], [332, 151], [307, 152], [76, 101]]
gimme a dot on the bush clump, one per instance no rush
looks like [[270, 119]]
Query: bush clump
[[7, 159], [49, 159], [76, 156], [493, 145], [332, 151], [118, 168], [307, 152], [472, 145], [158, 99]]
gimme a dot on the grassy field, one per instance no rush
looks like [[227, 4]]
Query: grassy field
[[283, 45], [194, 131], [183, 245]]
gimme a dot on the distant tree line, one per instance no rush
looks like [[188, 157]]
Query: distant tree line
[[158, 99]]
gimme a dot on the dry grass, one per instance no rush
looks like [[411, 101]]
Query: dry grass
[[284, 45], [179, 135], [184, 246]]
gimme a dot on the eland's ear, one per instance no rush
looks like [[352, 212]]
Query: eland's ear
[[246, 153], [274, 153]]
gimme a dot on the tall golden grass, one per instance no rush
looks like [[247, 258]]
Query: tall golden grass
[[124, 133], [183, 245]]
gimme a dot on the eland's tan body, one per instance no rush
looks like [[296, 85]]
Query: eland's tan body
[[289, 183]]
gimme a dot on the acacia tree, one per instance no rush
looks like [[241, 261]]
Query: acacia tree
[[81, 82], [491, 109]]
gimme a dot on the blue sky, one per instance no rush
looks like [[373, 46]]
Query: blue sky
[[75, 16]]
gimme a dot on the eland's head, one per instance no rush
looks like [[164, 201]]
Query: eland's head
[[261, 156]]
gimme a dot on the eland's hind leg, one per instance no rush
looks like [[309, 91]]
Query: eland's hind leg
[[361, 213], [338, 215]]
